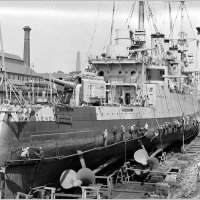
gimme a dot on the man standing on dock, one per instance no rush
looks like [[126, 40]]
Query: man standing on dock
[[115, 134], [105, 138], [132, 130], [122, 132]]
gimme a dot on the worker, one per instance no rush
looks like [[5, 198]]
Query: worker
[[195, 122], [115, 134], [131, 131], [166, 125], [160, 130], [25, 153], [40, 154], [105, 137], [178, 126], [183, 122], [162, 158], [122, 133], [187, 120], [136, 131], [146, 126], [155, 135]]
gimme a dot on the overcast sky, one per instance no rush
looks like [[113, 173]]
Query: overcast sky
[[61, 28]]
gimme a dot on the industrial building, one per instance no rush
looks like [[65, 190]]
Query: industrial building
[[18, 70]]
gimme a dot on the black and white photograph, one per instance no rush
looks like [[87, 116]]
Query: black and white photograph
[[99, 99]]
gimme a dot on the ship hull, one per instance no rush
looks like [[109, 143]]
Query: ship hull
[[24, 175], [73, 129]]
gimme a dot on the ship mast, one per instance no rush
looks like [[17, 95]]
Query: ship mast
[[171, 25], [111, 32], [141, 29], [181, 32], [3, 63]]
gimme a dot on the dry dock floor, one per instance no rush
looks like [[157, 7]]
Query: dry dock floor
[[185, 186]]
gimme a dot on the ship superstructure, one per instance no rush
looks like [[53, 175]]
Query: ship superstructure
[[155, 77], [128, 86]]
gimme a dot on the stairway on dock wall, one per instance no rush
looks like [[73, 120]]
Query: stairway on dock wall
[[194, 146]]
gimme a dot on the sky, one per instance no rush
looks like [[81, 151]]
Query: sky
[[61, 28]]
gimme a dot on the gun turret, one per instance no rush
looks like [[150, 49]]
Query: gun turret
[[67, 84]]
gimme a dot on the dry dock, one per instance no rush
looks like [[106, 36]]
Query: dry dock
[[175, 177]]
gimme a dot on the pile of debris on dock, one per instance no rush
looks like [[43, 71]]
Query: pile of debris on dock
[[188, 184]]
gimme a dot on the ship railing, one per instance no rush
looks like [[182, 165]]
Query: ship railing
[[117, 59], [128, 106]]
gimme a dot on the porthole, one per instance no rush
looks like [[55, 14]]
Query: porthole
[[133, 73]]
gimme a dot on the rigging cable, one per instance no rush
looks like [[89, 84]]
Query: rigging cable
[[161, 98], [167, 104], [111, 31], [3, 62], [148, 18], [163, 24], [113, 19], [155, 27], [170, 18], [189, 20], [179, 103], [93, 34], [170, 94], [131, 14], [155, 118], [175, 19], [152, 18]]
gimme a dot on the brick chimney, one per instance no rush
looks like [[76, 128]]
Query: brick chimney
[[27, 30]]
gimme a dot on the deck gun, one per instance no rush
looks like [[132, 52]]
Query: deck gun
[[67, 89]]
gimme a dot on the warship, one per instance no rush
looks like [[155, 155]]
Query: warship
[[130, 96]]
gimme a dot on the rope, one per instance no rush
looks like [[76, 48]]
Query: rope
[[35, 173], [161, 98], [131, 13], [125, 136], [148, 19], [175, 19], [170, 17], [163, 24], [189, 20], [183, 116], [93, 34], [93, 126], [155, 27], [179, 103], [111, 31], [167, 105], [154, 116], [163, 111], [108, 35]]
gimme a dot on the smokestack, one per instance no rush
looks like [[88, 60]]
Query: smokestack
[[78, 61], [141, 15], [27, 30]]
